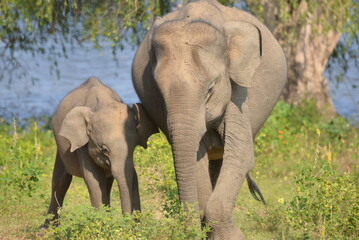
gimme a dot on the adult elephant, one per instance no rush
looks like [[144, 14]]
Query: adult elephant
[[209, 76]]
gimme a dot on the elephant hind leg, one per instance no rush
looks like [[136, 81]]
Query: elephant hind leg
[[136, 203], [61, 181], [109, 183], [214, 170], [238, 160]]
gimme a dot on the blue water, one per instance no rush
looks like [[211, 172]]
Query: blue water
[[24, 98]]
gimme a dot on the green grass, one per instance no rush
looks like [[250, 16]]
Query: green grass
[[306, 167]]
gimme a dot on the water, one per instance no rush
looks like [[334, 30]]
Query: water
[[345, 95], [23, 98]]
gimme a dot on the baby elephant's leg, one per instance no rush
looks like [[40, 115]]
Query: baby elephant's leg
[[61, 181], [136, 205], [109, 183]]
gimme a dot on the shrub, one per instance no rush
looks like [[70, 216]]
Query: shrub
[[312, 161], [326, 202], [20, 161], [108, 223], [155, 165], [309, 181]]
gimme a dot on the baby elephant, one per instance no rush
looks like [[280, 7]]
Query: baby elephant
[[96, 134]]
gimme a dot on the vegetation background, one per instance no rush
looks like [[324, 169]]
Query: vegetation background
[[306, 167], [306, 160]]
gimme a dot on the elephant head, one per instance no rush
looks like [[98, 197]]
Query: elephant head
[[111, 133], [196, 65]]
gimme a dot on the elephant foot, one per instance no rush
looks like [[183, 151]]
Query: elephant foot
[[42, 231], [226, 234]]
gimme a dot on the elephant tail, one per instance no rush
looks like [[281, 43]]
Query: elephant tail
[[254, 189]]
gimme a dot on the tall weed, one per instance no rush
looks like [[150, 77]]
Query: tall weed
[[20, 162], [326, 203]]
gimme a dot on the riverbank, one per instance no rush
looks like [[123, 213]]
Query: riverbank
[[306, 167]]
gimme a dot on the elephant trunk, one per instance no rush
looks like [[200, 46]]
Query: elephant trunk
[[185, 135], [123, 172]]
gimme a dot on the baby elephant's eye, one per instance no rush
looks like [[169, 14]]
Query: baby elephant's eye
[[105, 149], [211, 87]]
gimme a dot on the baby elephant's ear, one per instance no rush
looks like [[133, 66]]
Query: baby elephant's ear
[[244, 51], [74, 127], [144, 125]]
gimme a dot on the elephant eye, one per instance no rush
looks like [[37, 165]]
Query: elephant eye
[[104, 149], [211, 87]]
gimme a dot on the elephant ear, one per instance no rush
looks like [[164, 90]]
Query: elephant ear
[[158, 21], [244, 51], [74, 127], [144, 125]]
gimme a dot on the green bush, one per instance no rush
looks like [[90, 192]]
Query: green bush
[[156, 166], [306, 167], [109, 223], [326, 205], [289, 137], [20, 161]]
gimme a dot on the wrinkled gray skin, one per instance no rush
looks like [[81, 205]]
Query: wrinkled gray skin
[[96, 134], [209, 76]]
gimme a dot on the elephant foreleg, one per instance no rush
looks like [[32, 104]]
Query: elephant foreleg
[[95, 179], [61, 181], [238, 159], [203, 179]]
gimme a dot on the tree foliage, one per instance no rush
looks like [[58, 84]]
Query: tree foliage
[[304, 28], [27, 23], [44, 26], [285, 18], [310, 33]]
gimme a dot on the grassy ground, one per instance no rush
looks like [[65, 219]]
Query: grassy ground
[[306, 167]]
